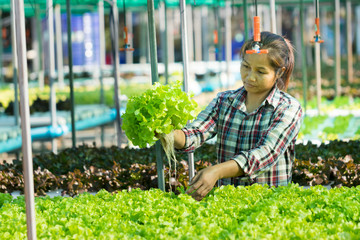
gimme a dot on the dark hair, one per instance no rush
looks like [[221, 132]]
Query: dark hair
[[281, 54]]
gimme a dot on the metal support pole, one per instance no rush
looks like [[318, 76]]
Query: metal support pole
[[357, 23], [116, 70], [198, 35], [303, 54], [1, 51], [204, 33], [190, 31], [102, 60], [39, 47], [350, 72], [25, 119], [219, 29], [129, 25], [15, 64], [218, 45], [155, 78], [228, 48], [246, 27], [279, 20], [170, 35], [51, 72], [143, 39], [59, 49], [273, 16], [185, 58], [34, 43], [164, 39], [71, 75], [318, 77], [337, 50]]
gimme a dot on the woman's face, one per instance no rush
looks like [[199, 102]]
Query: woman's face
[[257, 74]]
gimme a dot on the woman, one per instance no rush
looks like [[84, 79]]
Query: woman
[[256, 126]]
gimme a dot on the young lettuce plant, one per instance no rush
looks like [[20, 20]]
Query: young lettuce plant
[[159, 110]]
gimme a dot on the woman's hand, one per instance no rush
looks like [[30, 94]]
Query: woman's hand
[[203, 183], [205, 180]]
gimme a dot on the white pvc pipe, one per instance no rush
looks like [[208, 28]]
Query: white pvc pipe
[[279, 20], [51, 74], [25, 119], [116, 71], [185, 70], [228, 41], [59, 49], [198, 35], [273, 16], [349, 41], [337, 49], [163, 33], [102, 60], [15, 64], [190, 32], [357, 23], [102, 34], [318, 76], [170, 35], [129, 25], [35, 43]]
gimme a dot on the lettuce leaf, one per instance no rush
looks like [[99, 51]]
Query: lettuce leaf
[[161, 109]]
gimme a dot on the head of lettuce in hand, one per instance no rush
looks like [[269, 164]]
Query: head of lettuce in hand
[[159, 110]]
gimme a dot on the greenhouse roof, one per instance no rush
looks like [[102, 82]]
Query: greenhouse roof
[[80, 6]]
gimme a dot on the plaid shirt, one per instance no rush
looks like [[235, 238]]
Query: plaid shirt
[[261, 142]]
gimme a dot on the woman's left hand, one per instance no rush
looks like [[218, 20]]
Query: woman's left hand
[[203, 183]]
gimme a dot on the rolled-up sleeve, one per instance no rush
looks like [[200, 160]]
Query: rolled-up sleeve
[[203, 128], [274, 142]]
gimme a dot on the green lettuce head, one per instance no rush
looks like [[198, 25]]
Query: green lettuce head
[[161, 109]]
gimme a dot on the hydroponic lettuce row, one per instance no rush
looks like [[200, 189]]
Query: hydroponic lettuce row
[[161, 109], [254, 212], [85, 168]]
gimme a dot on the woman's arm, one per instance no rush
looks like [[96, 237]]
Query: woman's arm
[[203, 127]]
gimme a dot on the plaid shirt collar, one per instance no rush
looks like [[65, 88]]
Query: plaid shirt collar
[[237, 98]]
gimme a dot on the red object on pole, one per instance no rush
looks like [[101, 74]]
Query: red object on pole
[[257, 29], [257, 38], [216, 38], [126, 46], [317, 37]]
